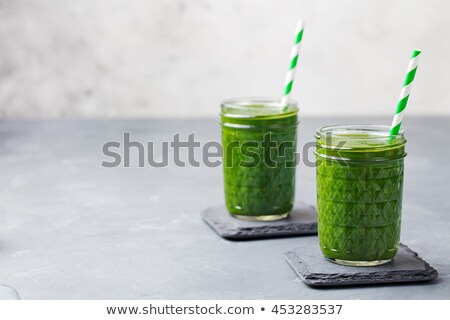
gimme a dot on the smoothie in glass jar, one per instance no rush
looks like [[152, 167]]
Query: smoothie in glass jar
[[259, 139], [359, 193]]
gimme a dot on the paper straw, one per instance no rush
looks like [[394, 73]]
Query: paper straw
[[293, 63], [404, 95]]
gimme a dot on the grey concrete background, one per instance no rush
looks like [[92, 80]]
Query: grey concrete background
[[8, 293], [70, 229], [179, 58]]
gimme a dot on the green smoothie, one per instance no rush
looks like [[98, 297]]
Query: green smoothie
[[259, 143], [359, 193]]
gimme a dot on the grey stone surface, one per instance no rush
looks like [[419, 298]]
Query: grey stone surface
[[71, 229], [301, 221], [8, 293], [309, 264]]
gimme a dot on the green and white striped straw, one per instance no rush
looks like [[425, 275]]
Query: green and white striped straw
[[404, 95], [293, 63]]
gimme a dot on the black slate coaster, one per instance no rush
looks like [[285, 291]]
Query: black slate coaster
[[302, 221], [310, 265]]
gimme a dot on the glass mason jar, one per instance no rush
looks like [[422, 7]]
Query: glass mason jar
[[259, 139], [359, 193]]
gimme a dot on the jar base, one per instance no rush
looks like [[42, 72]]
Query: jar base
[[262, 217], [351, 263]]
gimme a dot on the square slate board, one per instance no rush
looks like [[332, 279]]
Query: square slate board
[[310, 265], [302, 221]]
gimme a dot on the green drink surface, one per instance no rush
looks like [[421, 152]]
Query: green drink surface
[[360, 198], [254, 186]]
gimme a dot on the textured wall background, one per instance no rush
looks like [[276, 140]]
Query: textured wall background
[[114, 58]]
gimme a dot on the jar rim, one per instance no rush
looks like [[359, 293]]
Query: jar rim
[[264, 100], [244, 107], [377, 131], [359, 137]]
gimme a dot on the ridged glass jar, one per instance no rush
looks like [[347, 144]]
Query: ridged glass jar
[[359, 193], [259, 138]]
